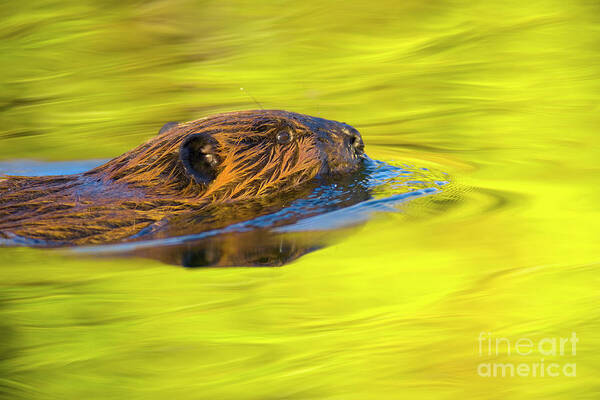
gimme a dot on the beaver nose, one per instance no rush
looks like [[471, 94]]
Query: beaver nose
[[356, 143]]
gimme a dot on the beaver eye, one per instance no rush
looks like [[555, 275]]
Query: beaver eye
[[284, 137]]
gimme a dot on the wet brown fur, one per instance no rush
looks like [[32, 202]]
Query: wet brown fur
[[149, 183]]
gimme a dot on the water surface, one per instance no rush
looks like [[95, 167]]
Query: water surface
[[502, 96]]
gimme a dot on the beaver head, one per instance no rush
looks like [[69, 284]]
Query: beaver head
[[239, 155], [246, 156]]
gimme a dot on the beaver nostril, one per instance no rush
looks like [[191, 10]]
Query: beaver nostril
[[357, 144]]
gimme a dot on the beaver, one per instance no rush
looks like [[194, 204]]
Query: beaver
[[188, 168]]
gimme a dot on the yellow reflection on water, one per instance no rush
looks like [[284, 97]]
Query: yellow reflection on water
[[502, 95]]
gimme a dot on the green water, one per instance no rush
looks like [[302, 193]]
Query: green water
[[502, 95]]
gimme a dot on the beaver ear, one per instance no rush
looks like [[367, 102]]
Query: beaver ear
[[167, 127], [199, 157]]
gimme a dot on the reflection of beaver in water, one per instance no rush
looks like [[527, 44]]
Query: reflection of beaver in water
[[224, 158]]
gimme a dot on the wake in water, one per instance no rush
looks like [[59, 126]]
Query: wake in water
[[277, 235]]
